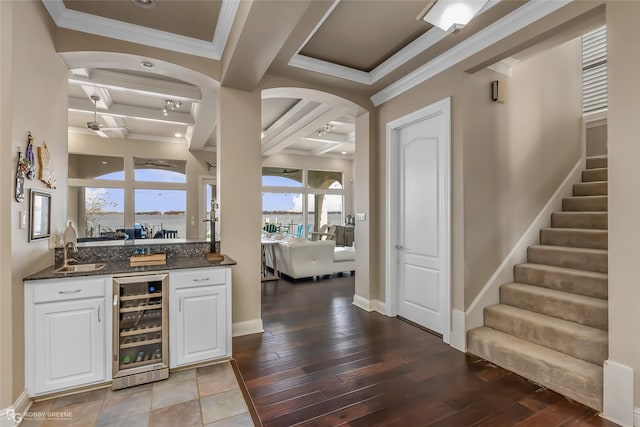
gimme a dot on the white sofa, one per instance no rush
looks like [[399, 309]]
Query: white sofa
[[299, 257]]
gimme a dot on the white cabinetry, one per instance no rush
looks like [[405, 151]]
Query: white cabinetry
[[66, 327], [199, 315]]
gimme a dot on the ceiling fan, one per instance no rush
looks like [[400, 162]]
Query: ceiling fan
[[98, 127]]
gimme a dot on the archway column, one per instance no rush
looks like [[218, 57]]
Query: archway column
[[239, 196]]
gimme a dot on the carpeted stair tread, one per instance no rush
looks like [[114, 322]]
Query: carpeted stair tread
[[581, 309], [575, 237], [595, 162], [584, 342], [566, 256], [595, 188], [585, 204], [581, 282], [596, 174], [572, 377], [593, 220]]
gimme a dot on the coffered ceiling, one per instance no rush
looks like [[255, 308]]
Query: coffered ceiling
[[375, 48]]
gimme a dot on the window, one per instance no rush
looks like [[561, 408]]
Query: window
[[316, 202], [594, 70], [102, 189]]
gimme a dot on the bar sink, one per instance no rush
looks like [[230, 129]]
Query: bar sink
[[80, 268]]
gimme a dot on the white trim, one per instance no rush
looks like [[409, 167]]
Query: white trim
[[105, 27], [401, 57], [489, 294], [617, 396], [595, 118], [247, 327], [504, 66], [515, 21], [20, 406], [458, 330], [636, 417], [362, 302], [370, 305], [441, 107]]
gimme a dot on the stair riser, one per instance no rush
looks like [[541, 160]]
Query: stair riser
[[591, 189], [561, 281], [589, 315], [586, 389], [591, 175], [591, 349], [576, 238], [591, 220], [569, 259], [597, 162], [585, 204]]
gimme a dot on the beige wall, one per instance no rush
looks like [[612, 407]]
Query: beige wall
[[239, 191], [624, 175], [40, 106], [196, 168], [6, 193], [597, 140], [507, 159]]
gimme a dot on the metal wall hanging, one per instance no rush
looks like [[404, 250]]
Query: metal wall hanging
[[30, 163], [20, 176]]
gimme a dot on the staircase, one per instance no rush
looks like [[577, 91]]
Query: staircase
[[551, 323]]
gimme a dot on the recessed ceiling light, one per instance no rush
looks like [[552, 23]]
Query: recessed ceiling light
[[343, 152], [103, 162], [178, 135], [148, 4], [147, 64]]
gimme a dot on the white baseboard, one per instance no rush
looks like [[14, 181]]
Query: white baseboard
[[458, 330], [247, 327], [370, 305], [489, 294], [636, 417], [617, 396], [15, 411]]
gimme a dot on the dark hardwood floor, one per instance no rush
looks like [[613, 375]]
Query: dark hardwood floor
[[323, 362]]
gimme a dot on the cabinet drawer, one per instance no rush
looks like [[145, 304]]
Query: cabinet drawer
[[191, 278], [68, 290]]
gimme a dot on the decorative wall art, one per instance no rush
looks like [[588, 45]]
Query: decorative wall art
[[30, 162], [20, 176], [39, 215], [46, 173]]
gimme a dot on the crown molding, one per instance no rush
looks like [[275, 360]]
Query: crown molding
[[410, 51], [105, 27], [504, 66], [525, 15]]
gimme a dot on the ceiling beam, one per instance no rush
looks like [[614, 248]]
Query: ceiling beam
[[258, 34], [129, 83], [123, 110], [330, 147]]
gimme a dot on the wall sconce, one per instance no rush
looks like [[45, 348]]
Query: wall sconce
[[170, 105], [498, 91], [451, 15]]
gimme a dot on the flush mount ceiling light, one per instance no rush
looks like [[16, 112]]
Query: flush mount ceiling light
[[170, 105], [451, 15], [147, 4]]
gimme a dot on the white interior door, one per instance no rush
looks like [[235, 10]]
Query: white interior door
[[420, 221]]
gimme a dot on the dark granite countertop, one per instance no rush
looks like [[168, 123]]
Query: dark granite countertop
[[122, 267]]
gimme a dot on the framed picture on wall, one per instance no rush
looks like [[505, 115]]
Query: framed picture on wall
[[39, 215]]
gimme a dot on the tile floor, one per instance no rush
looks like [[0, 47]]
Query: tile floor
[[207, 396]]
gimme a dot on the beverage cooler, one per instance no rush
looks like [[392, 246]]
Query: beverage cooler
[[140, 330]]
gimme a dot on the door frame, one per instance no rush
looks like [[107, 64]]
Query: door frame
[[442, 107]]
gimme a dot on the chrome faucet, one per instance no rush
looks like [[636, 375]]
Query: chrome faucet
[[74, 249]]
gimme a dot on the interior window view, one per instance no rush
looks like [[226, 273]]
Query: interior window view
[[318, 213]]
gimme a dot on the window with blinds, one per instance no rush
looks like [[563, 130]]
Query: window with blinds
[[594, 70]]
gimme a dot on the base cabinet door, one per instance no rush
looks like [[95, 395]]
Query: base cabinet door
[[199, 332], [69, 344]]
